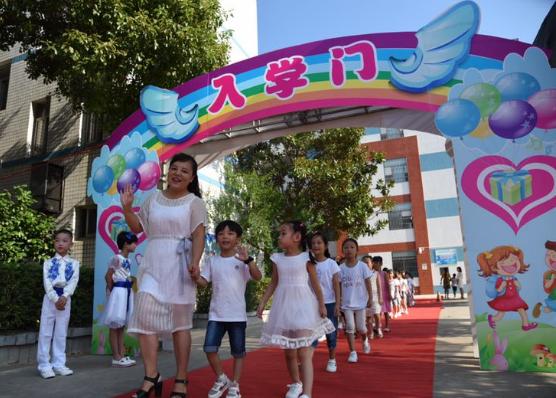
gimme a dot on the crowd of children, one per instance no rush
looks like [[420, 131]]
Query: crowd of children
[[312, 295]]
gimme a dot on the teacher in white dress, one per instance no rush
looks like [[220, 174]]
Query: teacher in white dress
[[174, 221]]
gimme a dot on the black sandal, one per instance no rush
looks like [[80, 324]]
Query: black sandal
[[157, 387], [180, 394]]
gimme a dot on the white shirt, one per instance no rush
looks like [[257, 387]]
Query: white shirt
[[374, 285], [61, 272], [325, 272], [354, 290], [229, 277], [395, 286], [121, 267]]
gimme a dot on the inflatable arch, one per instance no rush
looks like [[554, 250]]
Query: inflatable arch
[[495, 97]]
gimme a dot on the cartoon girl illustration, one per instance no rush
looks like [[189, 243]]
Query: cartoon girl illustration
[[500, 265]]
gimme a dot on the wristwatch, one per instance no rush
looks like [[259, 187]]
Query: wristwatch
[[248, 261]]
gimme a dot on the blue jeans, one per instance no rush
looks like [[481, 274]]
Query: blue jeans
[[236, 333], [330, 337]]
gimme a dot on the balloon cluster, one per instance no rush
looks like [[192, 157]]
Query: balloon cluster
[[129, 169], [513, 106]]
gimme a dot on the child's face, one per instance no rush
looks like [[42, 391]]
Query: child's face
[[350, 250], [227, 239], [287, 237], [551, 259], [131, 247], [509, 265], [317, 246], [62, 243]]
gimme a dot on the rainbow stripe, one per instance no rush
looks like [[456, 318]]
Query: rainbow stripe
[[487, 53]]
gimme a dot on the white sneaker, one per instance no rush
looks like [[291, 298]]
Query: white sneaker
[[131, 361], [380, 335], [47, 373], [63, 371], [233, 391], [304, 396], [121, 363], [294, 390], [219, 387], [366, 346], [331, 366], [352, 357]]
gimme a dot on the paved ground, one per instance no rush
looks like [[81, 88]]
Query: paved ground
[[457, 373]]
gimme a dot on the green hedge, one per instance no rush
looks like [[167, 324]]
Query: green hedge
[[22, 294]]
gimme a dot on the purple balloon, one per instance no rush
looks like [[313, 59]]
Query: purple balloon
[[513, 119], [129, 177]]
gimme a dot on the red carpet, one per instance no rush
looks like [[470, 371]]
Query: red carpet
[[400, 365]]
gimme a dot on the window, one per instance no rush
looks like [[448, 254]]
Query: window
[[4, 84], [41, 111], [388, 134], [47, 187], [395, 170], [91, 128], [400, 217], [405, 261], [85, 222]]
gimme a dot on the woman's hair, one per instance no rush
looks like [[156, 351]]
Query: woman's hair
[[319, 234], [458, 269], [125, 237], [488, 261], [193, 186], [232, 226], [350, 240]]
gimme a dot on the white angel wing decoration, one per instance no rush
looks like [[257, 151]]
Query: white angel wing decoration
[[441, 46]]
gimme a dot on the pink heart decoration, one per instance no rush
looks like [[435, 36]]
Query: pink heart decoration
[[106, 223], [475, 184]]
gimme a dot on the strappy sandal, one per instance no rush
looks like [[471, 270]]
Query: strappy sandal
[[180, 394], [157, 387]]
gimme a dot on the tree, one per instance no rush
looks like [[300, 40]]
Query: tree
[[101, 53], [324, 178], [26, 233]]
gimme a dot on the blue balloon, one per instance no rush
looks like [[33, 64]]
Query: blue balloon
[[457, 118], [103, 179], [517, 86], [134, 158]]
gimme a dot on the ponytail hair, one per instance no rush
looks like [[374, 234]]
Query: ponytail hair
[[193, 186], [321, 235], [299, 226]]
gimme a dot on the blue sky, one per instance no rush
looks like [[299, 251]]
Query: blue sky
[[284, 23]]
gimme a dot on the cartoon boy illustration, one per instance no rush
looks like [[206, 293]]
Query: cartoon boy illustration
[[548, 281]]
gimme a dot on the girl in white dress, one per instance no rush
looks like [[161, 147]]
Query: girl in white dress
[[298, 314], [119, 305], [174, 221]]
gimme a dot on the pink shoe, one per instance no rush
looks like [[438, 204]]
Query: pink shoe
[[530, 326], [492, 323]]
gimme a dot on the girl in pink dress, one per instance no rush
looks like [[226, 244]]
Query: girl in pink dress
[[505, 262]]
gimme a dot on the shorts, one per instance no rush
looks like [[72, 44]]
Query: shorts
[[236, 333], [355, 319]]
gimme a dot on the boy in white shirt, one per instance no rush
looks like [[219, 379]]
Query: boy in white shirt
[[60, 277], [229, 273]]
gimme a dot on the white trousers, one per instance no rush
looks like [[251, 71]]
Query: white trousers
[[355, 320], [53, 329]]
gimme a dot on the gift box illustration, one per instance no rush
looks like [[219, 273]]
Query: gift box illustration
[[510, 186]]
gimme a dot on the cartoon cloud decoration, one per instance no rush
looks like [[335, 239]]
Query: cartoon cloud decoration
[[441, 45], [171, 123]]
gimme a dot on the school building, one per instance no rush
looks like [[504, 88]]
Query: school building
[[423, 235]]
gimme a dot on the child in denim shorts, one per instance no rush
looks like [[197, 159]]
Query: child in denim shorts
[[229, 273]]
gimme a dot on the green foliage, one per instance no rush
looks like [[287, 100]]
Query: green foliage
[[22, 294], [324, 178], [26, 233], [101, 53], [204, 295]]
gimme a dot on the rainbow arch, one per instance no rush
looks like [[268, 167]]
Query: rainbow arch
[[486, 53]]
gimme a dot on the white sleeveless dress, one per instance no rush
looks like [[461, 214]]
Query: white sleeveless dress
[[165, 300], [119, 305], [294, 320]]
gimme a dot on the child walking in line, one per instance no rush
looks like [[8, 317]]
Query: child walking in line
[[119, 305], [454, 285], [298, 314], [356, 297], [229, 273], [385, 288], [403, 293], [394, 293], [60, 277], [373, 313], [328, 273]]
